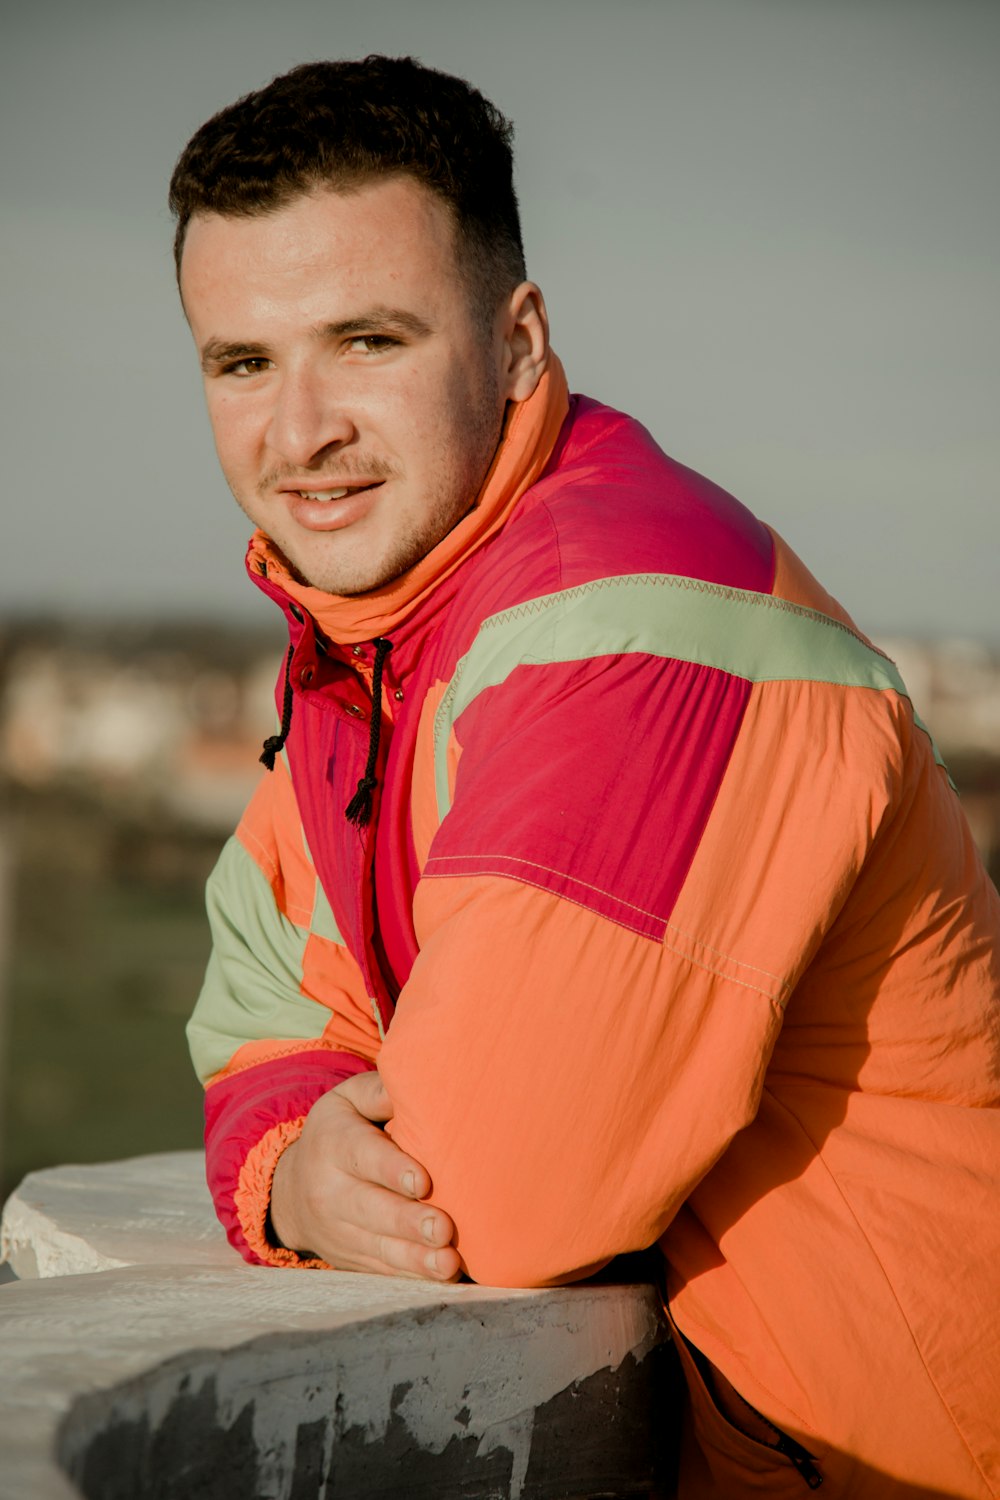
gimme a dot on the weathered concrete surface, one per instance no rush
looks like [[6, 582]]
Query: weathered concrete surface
[[165, 1383], [216, 1379], [142, 1211]]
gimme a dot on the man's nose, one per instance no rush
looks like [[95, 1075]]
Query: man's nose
[[308, 417]]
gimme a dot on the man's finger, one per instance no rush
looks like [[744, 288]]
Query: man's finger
[[385, 1214], [402, 1258], [384, 1255], [368, 1228], [337, 1133], [368, 1155], [369, 1096]]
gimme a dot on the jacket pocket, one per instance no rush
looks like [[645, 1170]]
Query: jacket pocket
[[742, 1464]]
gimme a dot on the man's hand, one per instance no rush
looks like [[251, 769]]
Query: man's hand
[[346, 1193]]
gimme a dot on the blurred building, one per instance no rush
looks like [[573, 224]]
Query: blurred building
[[167, 724]]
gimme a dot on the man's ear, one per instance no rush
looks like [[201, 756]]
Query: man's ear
[[526, 341]]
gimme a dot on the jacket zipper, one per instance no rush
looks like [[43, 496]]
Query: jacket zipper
[[800, 1458], [373, 968]]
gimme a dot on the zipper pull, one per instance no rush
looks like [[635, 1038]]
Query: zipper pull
[[802, 1460]]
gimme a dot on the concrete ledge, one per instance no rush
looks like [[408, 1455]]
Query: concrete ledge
[[144, 1211], [207, 1377]]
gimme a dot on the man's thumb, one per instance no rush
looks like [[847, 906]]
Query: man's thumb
[[368, 1094]]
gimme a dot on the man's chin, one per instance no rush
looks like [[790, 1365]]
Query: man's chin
[[343, 581]]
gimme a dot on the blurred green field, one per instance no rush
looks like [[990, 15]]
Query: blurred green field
[[108, 944]]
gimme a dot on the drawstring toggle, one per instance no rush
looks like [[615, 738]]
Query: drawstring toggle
[[359, 810], [275, 743]]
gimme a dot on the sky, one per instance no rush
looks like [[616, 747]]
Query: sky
[[767, 228]]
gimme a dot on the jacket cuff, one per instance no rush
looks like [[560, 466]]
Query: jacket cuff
[[252, 1198], [250, 1117]]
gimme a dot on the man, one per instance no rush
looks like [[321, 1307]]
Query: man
[[601, 860]]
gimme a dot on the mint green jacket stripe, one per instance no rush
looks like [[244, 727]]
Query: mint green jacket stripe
[[252, 988], [750, 635]]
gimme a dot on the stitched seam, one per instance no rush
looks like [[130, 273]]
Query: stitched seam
[[302, 913], [559, 896], [532, 864], [306, 1045], [721, 953], [620, 922], [694, 585], [443, 710], [329, 942], [620, 901], [272, 864], [721, 974]]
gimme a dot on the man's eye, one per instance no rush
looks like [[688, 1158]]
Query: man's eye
[[372, 343], [244, 367]]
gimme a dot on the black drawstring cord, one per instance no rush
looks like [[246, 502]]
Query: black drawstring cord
[[359, 809], [275, 743]]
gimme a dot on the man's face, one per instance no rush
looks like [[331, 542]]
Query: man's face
[[355, 401]]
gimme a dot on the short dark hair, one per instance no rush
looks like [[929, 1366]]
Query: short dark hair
[[339, 124]]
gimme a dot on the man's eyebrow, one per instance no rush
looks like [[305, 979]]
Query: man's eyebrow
[[216, 352], [374, 320]]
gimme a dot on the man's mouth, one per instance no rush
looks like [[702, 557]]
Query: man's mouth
[[331, 507], [338, 494]]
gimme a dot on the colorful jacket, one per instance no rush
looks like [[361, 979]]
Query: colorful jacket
[[681, 938]]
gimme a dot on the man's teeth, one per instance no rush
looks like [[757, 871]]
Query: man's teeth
[[324, 494]]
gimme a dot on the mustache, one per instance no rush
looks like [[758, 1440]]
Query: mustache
[[337, 469]]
